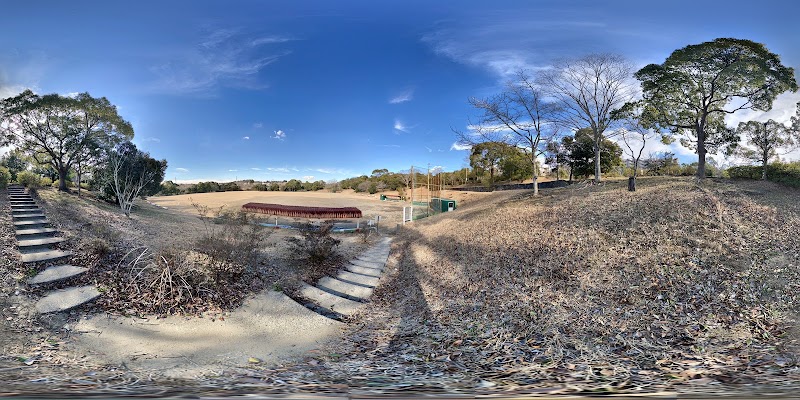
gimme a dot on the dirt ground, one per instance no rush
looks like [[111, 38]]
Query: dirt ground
[[370, 204]]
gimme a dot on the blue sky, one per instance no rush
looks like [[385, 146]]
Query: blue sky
[[331, 89]]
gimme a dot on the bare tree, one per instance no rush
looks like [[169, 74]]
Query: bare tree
[[635, 131], [128, 179], [589, 89], [519, 116]]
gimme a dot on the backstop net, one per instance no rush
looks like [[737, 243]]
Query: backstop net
[[424, 192]]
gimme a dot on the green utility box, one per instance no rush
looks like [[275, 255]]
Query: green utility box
[[443, 205]]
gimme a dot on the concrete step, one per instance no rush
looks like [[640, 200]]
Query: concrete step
[[330, 302], [22, 204], [364, 270], [360, 279], [369, 264], [20, 197], [36, 231], [56, 273], [44, 255], [64, 299], [31, 215], [31, 223], [344, 289], [39, 242], [15, 211]]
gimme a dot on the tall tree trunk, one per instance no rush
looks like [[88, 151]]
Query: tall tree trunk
[[764, 168], [62, 179], [570, 172], [596, 162], [701, 151], [632, 179], [535, 177]]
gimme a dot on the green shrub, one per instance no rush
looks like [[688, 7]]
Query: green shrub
[[47, 182], [29, 179], [785, 173], [5, 177], [260, 187]]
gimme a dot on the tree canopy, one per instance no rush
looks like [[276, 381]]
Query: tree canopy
[[582, 153], [60, 130], [697, 86]]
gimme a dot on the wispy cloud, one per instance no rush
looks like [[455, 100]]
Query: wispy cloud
[[388, 145], [460, 147], [308, 178], [279, 134], [258, 125], [283, 170], [233, 170], [151, 139], [223, 58], [270, 40], [181, 170], [246, 137], [402, 97], [429, 149], [400, 126], [504, 44], [331, 171], [256, 169]]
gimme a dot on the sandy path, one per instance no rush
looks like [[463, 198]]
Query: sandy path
[[270, 327]]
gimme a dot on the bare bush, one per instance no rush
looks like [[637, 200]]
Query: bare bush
[[231, 241], [316, 245]]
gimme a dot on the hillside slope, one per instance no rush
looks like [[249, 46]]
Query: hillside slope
[[673, 283]]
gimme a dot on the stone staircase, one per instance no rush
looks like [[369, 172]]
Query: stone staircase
[[34, 240], [343, 295]]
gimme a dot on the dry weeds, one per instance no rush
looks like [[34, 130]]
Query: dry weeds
[[676, 283]]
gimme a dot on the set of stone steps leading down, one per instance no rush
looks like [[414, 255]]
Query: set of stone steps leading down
[[343, 295], [34, 240]]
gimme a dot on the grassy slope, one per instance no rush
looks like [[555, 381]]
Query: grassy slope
[[674, 282]]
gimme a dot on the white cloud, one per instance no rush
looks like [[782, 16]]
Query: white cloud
[[258, 125], [233, 170], [331, 171], [282, 170], [223, 58], [270, 40], [151, 139], [246, 137], [279, 134], [429, 149], [308, 178], [460, 147], [388, 145], [181, 170], [256, 169], [783, 108], [402, 97], [399, 126]]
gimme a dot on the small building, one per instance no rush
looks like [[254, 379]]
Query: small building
[[443, 205]]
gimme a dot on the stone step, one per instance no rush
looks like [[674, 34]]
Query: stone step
[[20, 196], [36, 231], [39, 242], [16, 211], [32, 215], [44, 255], [344, 289], [64, 299], [360, 279], [31, 223], [22, 204], [364, 270], [56, 273], [330, 302], [368, 264]]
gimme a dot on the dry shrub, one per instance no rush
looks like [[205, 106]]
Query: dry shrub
[[315, 245], [96, 246], [165, 282], [231, 241]]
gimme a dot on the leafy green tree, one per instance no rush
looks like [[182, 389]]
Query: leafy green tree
[[486, 157], [61, 131], [767, 138], [15, 162], [697, 86], [293, 186], [5, 177], [582, 153], [29, 179], [169, 188], [274, 187], [229, 187]]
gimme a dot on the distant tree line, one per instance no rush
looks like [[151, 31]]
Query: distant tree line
[[170, 188]]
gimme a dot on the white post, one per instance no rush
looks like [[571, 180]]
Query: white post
[[276, 222], [358, 224]]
